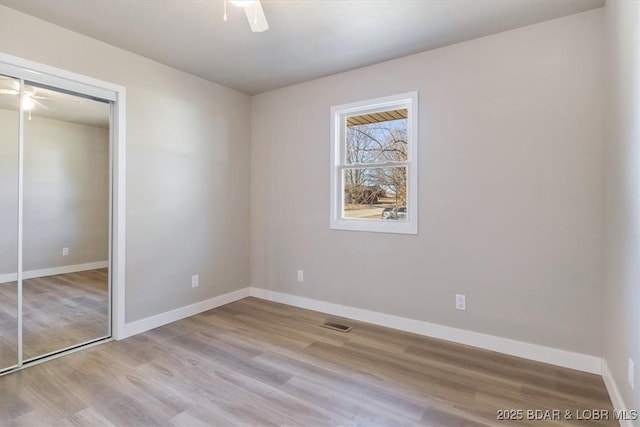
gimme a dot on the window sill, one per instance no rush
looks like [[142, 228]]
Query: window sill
[[375, 226]]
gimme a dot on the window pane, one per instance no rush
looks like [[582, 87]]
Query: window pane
[[375, 193], [376, 137]]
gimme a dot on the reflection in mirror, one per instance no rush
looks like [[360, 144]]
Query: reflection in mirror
[[65, 221], [8, 222]]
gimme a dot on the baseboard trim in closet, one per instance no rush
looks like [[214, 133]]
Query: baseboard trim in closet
[[44, 272]]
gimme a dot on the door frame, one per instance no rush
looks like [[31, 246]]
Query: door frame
[[63, 79]]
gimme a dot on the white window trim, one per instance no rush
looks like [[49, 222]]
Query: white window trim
[[407, 100]]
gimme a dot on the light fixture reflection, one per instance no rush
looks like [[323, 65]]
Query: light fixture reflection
[[27, 103]]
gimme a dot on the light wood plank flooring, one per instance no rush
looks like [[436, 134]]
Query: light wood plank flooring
[[8, 324], [254, 362], [58, 312]]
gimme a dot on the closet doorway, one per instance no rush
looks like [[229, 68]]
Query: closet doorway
[[56, 215]]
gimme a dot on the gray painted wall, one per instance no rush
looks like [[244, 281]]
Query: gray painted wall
[[8, 193], [187, 159], [622, 238], [511, 185], [66, 193], [511, 188]]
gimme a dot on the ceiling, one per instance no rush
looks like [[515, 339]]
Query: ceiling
[[307, 39]]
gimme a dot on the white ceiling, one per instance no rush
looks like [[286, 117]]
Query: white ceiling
[[307, 39]]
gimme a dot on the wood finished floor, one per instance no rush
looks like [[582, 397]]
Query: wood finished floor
[[58, 312], [255, 362]]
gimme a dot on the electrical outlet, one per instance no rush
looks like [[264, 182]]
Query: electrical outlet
[[65, 251], [195, 281], [631, 374], [300, 275], [461, 302]]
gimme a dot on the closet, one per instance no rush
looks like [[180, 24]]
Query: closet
[[55, 216]]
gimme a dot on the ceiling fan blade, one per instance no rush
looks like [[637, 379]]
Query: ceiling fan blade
[[39, 104], [54, 99], [255, 15], [11, 82], [8, 92]]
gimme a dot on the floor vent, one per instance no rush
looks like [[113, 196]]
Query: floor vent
[[336, 326]]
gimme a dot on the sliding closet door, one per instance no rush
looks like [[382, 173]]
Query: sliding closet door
[[65, 291], [9, 168]]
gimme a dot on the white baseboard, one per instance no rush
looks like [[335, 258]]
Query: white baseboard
[[614, 393], [65, 269], [554, 356], [152, 322]]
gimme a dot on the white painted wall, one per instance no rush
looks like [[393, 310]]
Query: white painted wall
[[511, 189], [622, 239], [187, 159], [66, 193]]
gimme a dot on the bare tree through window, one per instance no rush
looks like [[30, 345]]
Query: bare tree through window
[[375, 188]]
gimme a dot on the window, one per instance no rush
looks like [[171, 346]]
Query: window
[[374, 166]]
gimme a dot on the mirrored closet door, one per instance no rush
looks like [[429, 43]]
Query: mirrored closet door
[[9, 175], [55, 216]]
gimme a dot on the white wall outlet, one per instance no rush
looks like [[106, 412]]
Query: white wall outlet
[[195, 281], [631, 373], [65, 251], [461, 302], [300, 275]]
